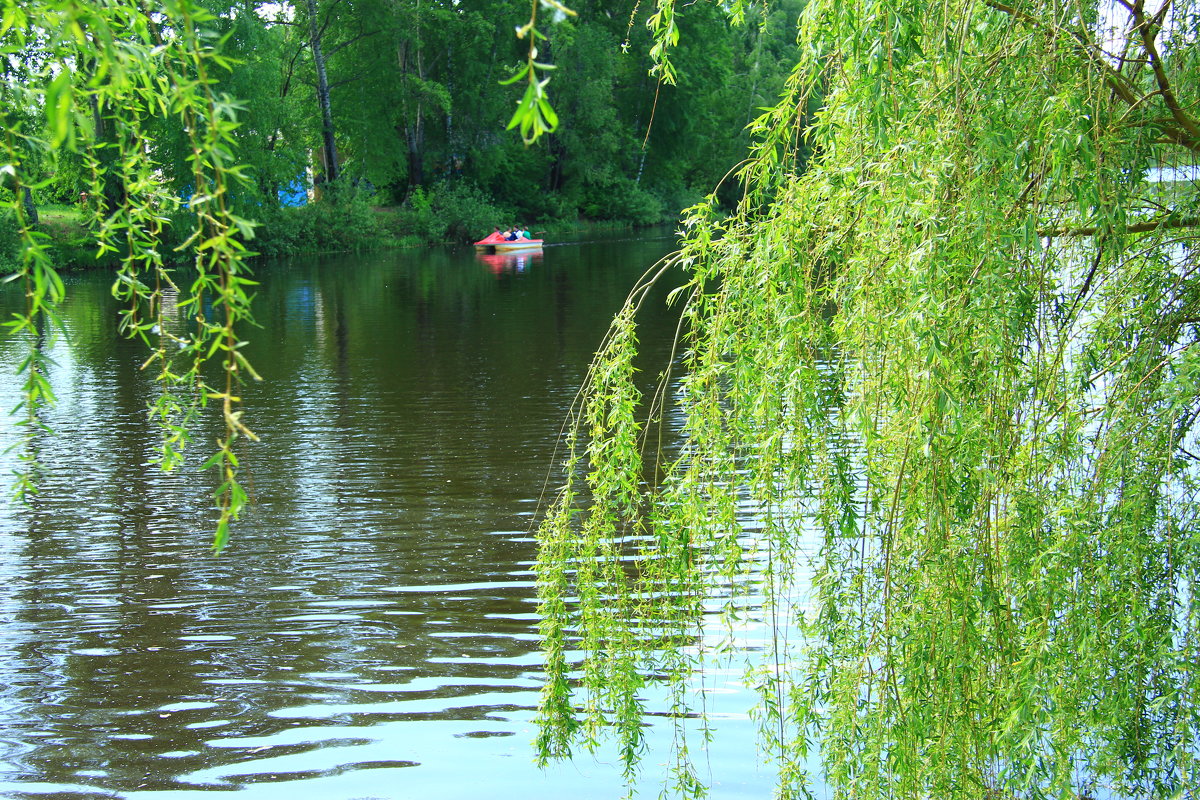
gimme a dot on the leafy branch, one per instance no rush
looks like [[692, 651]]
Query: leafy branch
[[132, 67], [534, 115]]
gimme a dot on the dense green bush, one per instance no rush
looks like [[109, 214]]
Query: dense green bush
[[333, 225], [9, 241], [676, 196], [452, 211], [550, 207], [80, 252], [68, 176], [466, 212], [416, 218], [623, 200]]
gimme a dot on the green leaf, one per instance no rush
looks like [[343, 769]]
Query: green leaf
[[59, 103]]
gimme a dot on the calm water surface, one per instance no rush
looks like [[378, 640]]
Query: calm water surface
[[371, 630]]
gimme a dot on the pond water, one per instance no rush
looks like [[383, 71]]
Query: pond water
[[371, 630]]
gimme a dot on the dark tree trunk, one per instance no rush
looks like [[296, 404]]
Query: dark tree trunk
[[113, 186], [329, 156], [558, 155], [416, 146], [414, 115], [31, 212]]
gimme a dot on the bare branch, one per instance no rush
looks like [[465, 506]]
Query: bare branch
[[350, 41], [328, 18], [291, 70], [1148, 29], [1174, 135], [1168, 223], [356, 77]]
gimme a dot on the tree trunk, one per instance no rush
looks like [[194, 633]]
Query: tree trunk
[[416, 151], [555, 177], [329, 156], [414, 121], [112, 185], [451, 149], [754, 71], [31, 212]]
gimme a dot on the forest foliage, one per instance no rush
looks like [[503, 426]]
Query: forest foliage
[[372, 100]]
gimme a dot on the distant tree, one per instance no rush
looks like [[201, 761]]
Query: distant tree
[[330, 164]]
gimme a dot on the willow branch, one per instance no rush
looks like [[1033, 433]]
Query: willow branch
[[1169, 223], [1171, 134], [1114, 79], [1147, 29], [1161, 15]]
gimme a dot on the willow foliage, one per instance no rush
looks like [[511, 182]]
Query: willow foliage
[[95, 78], [948, 342]]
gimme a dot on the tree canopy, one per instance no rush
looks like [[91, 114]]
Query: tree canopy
[[395, 95], [954, 352]]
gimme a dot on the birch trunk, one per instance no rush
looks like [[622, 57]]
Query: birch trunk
[[329, 156]]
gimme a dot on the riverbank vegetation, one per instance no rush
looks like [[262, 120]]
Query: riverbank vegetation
[[396, 107]]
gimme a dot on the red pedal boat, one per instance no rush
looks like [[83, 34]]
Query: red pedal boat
[[496, 243]]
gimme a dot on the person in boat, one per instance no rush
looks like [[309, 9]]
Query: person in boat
[[524, 233], [510, 235]]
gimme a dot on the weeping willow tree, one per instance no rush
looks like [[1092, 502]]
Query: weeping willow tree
[[101, 78], [948, 340]]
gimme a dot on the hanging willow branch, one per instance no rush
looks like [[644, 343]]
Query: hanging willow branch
[[951, 358], [1137, 227], [95, 76]]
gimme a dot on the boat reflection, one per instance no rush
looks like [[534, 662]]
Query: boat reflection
[[501, 263]]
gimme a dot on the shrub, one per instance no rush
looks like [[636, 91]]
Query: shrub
[[625, 201], [417, 218], [9, 242], [676, 197], [467, 212], [334, 224], [456, 212]]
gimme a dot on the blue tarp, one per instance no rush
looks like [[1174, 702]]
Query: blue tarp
[[294, 194]]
